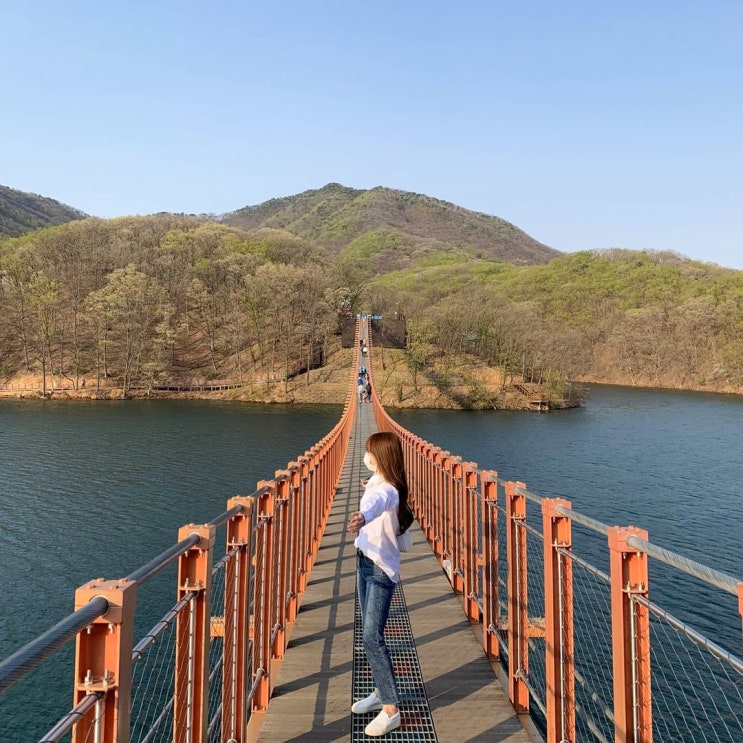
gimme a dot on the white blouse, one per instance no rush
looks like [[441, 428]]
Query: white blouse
[[377, 539]]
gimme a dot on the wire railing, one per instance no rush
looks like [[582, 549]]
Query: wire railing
[[585, 650], [206, 670]]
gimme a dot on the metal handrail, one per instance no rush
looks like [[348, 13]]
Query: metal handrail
[[226, 516], [154, 566], [24, 660], [697, 569]]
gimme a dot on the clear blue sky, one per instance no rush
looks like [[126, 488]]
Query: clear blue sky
[[587, 124]]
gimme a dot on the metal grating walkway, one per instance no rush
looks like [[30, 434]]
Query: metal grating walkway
[[415, 714], [449, 692]]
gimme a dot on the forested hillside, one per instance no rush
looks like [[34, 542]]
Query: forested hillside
[[390, 227], [22, 212], [617, 316], [149, 301]]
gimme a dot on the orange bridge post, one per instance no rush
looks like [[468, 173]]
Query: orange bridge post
[[437, 516], [630, 622], [190, 705], [236, 674], [295, 555], [558, 623], [103, 661], [489, 560], [469, 544], [518, 617], [262, 603], [280, 581], [456, 524]]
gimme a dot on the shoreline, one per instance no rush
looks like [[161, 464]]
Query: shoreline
[[448, 384]]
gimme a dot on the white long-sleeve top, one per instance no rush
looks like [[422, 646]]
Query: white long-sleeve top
[[377, 539]]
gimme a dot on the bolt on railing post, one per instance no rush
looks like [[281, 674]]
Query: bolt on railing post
[[236, 671], [489, 561], [630, 637], [518, 617], [192, 637], [470, 542], [103, 660], [558, 623]]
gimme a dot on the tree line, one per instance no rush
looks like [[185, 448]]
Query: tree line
[[138, 300], [144, 301], [619, 316]]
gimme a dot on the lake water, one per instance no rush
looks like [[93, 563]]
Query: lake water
[[92, 489]]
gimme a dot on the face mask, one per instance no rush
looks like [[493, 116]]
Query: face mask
[[368, 463]]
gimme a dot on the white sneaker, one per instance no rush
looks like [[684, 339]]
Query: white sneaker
[[371, 703], [383, 724]]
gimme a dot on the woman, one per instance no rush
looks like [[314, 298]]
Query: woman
[[382, 515]]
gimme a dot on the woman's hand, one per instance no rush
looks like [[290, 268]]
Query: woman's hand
[[356, 522], [363, 481]]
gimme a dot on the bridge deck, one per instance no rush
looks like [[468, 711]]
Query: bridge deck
[[461, 699]]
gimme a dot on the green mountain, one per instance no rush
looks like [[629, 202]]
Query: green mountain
[[22, 212], [391, 225]]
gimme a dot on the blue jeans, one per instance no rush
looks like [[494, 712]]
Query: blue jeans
[[375, 596]]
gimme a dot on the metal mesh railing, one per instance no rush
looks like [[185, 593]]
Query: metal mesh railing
[[596, 664], [153, 681], [697, 686], [216, 650], [502, 577], [535, 602], [594, 693]]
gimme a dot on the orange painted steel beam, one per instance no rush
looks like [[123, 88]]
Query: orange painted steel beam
[[558, 623], [103, 661], [281, 578], [471, 587], [295, 556], [456, 522], [630, 638], [305, 551], [236, 667], [518, 619], [191, 697], [489, 558], [447, 525], [263, 604]]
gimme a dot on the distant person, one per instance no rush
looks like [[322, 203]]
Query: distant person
[[368, 391], [363, 351], [383, 514], [359, 388]]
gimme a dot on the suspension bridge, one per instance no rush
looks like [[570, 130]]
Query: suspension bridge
[[500, 630]]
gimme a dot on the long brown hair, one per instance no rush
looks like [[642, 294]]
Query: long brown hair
[[386, 448]]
